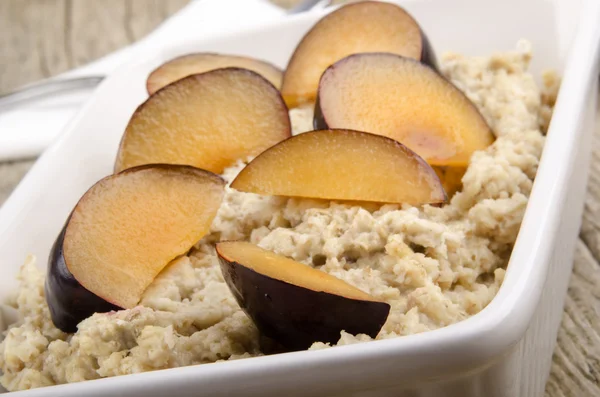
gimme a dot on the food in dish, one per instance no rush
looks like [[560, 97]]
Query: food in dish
[[343, 165], [434, 265], [207, 120], [367, 26], [295, 304], [451, 178], [190, 64], [122, 233], [405, 100]]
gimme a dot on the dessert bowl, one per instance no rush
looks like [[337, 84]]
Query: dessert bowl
[[505, 350]]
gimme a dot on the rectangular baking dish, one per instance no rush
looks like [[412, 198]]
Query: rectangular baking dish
[[503, 351]]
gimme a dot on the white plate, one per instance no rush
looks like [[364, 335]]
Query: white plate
[[490, 353]]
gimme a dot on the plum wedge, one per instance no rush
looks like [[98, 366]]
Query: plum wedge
[[451, 178], [293, 303], [405, 100], [186, 65], [206, 120], [342, 165], [122, 233], [367, 26]]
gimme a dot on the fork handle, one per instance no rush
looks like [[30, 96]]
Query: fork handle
[[47, 88]]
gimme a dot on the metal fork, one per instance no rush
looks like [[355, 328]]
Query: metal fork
[[55, 86]]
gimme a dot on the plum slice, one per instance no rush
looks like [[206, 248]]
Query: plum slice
[[451, 178], [189, 64], [342, 165], [367, 26], [295, 304], [405, 100], [206, 120], [122, 233]]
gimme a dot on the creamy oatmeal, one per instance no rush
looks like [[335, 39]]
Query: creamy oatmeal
[[434, 265]]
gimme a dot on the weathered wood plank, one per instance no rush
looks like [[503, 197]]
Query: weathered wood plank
[[41, 38], [10, 175], [95, 28], [590, 228], [576, 362], [32, 41], [145, 15]]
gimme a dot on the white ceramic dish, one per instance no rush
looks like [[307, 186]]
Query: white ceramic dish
[[503, 351]]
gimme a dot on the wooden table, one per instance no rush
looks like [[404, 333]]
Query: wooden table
[[40, 38]]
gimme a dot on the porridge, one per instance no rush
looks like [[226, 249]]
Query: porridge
[[433, 265]]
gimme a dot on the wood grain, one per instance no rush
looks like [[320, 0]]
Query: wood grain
[[40, 38], [576, 361]]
